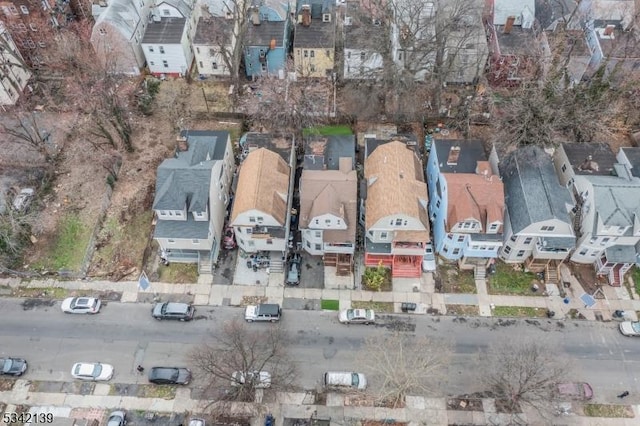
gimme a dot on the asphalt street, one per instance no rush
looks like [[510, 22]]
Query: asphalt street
[[126, 335]]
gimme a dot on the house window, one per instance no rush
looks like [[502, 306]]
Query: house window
[[583, 252], [445, 249], [214, 65], [383, 235], [200, 63], [161, 49], [179, 214], [348, 55], [312, 68], [507, 249], [150, 48], [460, 238], [152, 63], [456, 251], [564, 168], [513, 238], [263, 67], [326, 17], [318, 247], [520, 253], [249, 231], [317, 222], [318, 234], [493, 226], [308, 244], [362, 55], [165, 64], [438, 204], [466, 225], [547, 228], [171, 241], [13, 10], [260, 219], [327, 221], [22, 28], [594, 253], [328, 53], [527, 240], [306, 53], [195, 241], [166, 12], [398, 222], [605, 240], [252, 219], [312, 53], [269, 241], [24, 10]]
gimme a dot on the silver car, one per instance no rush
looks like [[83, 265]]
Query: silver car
[[117, 418], [630, 328]]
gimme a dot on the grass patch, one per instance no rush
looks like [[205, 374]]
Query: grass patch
[[157, 391], [463, 310], [379, 307], [338, 130], [519, 311], [69, 247], [456, 281], [508, 280], [127, 240], [329, 304], [178, 273], [608, 410], [37, 292]]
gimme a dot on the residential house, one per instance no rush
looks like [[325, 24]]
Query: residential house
[[167, 40], [192, 194], [396, 203], [117, 35], [607, 208], [518, 48], [214, 39], [329, 201], [466, 201], [630, 157], [362, 51], [260, 216], [538, 228], [314, 40], [268, 39], [33, 24], [14, 72]]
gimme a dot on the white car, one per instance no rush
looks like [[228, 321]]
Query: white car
[[94, 371], [429, 259], [357, 316], [261, 379], [630, 328], [81, 305]]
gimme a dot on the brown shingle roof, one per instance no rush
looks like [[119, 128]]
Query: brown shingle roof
[[474, 196], [330, 191], [263, 185], [395, 185]]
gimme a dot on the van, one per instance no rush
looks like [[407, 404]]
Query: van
[[344, 379], [264, 312]]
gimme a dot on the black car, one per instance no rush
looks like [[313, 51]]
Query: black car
[[293, 271], [13, 366], [173, 310], [170, 376]]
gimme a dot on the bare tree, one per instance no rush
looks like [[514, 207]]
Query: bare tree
[[237, 348], [524, 373], [15, 229], [403, 364], [25, 129]]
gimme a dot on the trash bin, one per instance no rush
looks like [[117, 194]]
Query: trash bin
[[408, 307]]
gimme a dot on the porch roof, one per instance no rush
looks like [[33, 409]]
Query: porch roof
[[558, 242], [620, 254], [371, 247], [182, 229]]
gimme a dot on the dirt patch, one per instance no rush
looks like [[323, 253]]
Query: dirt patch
[[587, 277], [6, 384], [464, 403]]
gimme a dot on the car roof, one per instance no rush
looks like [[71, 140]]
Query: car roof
[[177, 307], [163, 372], [86, 369], [269, 308]]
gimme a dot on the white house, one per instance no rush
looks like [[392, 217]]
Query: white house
[[538, 229], [14, 74], [213, 34], [362, 57], [261, 204], [192, 195], [167, 41]]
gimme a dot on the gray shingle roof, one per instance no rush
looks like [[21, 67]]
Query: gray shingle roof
[[182, 229], [123, 15], [616, 200], [261, 35], [318, 34], [532, 191], [168, 30], [633, 155], [621, 254], [336, 147], [471, 151], [185, 180], [213, 31], [590, 158]]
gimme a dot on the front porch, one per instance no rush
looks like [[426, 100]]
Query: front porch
[[402, 266], [343, 262], [614, 262]]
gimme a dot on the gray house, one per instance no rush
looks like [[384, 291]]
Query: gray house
[[192, 195], [538, 228]]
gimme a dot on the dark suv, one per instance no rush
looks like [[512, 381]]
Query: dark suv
[[170, 376], [173, 310]]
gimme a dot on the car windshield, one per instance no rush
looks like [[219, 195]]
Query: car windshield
[[97, 369], [350, 314], [636, 326], [355, 379], [6, 364]]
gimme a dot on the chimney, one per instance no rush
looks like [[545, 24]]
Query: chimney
[[255, 15], [608, 31], [183, 144], [306, 15], [509, 25]]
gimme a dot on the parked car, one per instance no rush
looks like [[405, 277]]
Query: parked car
[[293, 271], [23, 200], [94, 371], [261, 379], [117, 418], [428, 259], [197, 422], [258, 261], [344, 379], [630, 328], [13, 366], [357, 316], [577, 391], [170, 376], [173, 311], [263, 312], [229, 239], [81, 305]]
